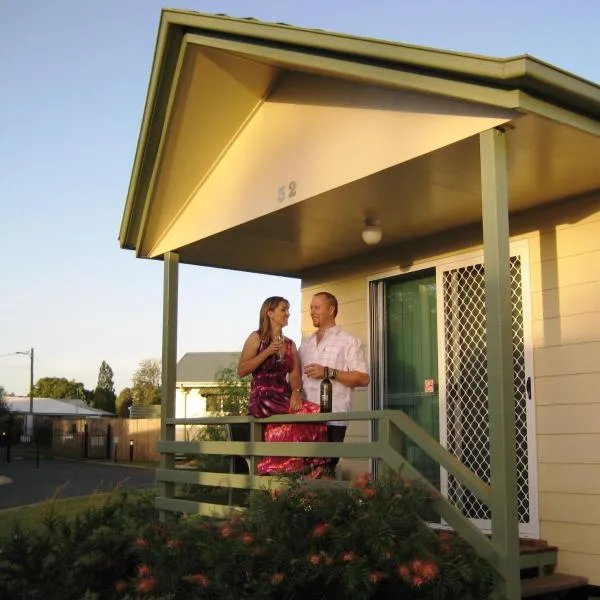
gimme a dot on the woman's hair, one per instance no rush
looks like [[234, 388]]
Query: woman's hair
[[264, 324]]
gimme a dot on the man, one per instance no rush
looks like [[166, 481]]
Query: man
[[330, 346]]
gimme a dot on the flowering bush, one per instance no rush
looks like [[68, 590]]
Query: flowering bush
[[300, 542]]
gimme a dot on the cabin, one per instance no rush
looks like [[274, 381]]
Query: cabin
[[451, 202]]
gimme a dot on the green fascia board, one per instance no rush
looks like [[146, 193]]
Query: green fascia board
[[575, 98]]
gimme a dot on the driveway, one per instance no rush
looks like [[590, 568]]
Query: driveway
[[22, 483]]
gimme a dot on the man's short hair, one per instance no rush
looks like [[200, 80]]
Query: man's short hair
[[331, 300]]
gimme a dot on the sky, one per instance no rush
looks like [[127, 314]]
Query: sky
[[73, 82]]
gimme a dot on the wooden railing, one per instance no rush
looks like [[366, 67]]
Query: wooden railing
[[391, 427]]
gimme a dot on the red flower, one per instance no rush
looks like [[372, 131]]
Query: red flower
[[120, 585], [201, 579], [362, 481], [173, 544], [376, 576], [275, 493], [247, 538], [320, 530], [417, 581], [314, 559], [429, 571], [146, 585], [140, 543], [226, 531], [404, 572], [347, 556], [416, 566], [144, 571], [369, 492], [277, 578]]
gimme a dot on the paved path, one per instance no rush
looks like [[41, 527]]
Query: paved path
[[64, 478]]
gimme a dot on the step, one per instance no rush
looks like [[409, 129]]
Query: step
[[536, 558], [551, 584]]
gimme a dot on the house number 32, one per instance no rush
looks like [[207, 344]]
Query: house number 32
[[286, 192]]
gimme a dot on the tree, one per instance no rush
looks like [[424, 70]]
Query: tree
[[233, 390], [124, 402], [146, 383], [104, 396], [60, 388], [4, 410], [105, 378]]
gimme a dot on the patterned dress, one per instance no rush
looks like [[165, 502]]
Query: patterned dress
[[270, 395]]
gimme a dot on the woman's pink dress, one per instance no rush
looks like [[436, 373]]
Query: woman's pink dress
[[270, 395]]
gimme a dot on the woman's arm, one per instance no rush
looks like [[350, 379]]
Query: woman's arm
[[295, 381], [250, 360]]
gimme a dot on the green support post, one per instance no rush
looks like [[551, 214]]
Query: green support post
[[501, 401], [169, 367]]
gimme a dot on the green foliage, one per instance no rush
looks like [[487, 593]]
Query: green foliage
[[124, 401], [59, 388], [105, 378], [6, 417], [233, 390], [146, 383], [104, 397], [69, 557], [297, 542], [104, 400]]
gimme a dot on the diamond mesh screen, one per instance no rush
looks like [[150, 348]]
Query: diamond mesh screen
[[467, 422]]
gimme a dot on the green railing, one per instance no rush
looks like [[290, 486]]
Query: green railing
[[391, 426]]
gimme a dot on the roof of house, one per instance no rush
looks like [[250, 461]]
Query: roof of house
[[202, 367], [54, 407], [522, 83]]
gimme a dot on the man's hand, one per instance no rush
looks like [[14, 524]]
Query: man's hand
[[314, 371]]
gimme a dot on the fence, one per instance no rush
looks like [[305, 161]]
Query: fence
[[119, 439]]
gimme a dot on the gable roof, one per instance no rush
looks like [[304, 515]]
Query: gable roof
[[202, 367], [523, 82]]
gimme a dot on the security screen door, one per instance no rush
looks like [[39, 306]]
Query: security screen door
[[429, 360]]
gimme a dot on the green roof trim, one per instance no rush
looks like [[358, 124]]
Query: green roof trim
[[521, 82]]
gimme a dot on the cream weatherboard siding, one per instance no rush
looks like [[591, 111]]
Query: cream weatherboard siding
[[564, 246]]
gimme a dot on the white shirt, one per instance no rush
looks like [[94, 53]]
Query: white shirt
[[337, 350]]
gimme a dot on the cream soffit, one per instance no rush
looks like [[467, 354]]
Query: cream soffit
[[522, 83], [313, 135]]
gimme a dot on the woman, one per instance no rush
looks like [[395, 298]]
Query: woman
[[276, 389]]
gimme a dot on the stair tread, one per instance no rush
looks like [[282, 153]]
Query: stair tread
[[537, 549], [556, 582]]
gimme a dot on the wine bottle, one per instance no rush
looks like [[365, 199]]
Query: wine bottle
[[326, 392]]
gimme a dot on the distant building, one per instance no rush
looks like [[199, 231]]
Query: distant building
[[51, 407], [196, 393]]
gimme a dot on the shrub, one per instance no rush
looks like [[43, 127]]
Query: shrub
[[300, 542]]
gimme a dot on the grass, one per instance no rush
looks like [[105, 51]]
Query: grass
[[31, 517]]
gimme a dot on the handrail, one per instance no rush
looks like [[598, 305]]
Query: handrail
[[392, 425]]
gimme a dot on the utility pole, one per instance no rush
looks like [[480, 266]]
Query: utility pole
[[31, 382]]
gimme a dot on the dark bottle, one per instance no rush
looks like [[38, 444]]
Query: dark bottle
[[326, 392]]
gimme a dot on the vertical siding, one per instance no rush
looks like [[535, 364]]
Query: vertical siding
[[564, 244]]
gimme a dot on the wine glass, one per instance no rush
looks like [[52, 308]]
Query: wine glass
[[281, 353]]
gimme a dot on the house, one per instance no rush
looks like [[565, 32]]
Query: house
[[278, 150], [197, 387]]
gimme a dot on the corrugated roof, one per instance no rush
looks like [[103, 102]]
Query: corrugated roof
[[202, 367], [53, 407]]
